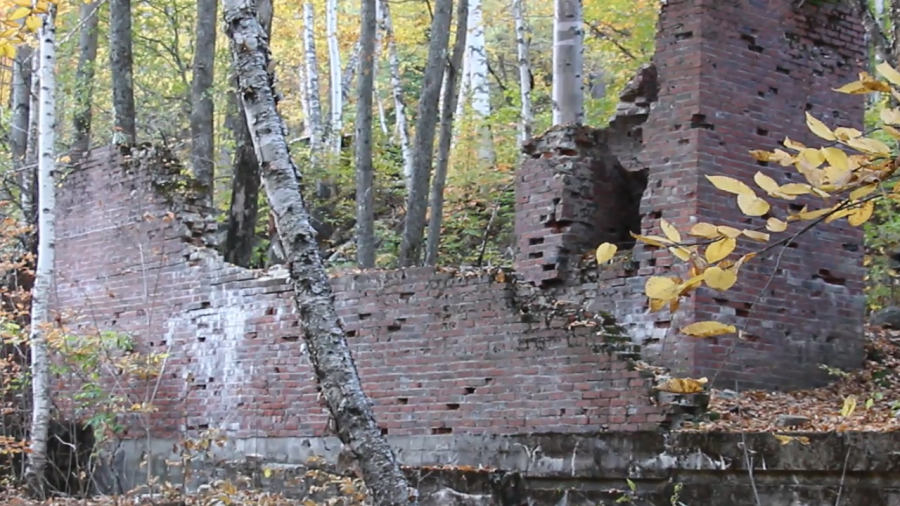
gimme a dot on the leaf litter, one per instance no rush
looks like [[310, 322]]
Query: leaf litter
[[867, 399]]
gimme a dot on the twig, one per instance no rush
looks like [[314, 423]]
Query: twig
[[748, 461], [487, 229], [837, 501]]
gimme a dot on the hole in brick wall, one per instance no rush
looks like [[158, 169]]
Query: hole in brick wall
[[782, 70], [470, 390], [453, 406], [384, 431], [773, 90], [562, 411], [662, 324], [543, 218], [795, 207], [818, 72], [720, 301], [793, 245], [847, 246], [277, 370], [536, 254], [751, 43], [200, 386], [699, 121], [535, 241], [684, 141], [441, 430], [835, 114], [487, 381], [351, 333], [550, 283], [403, 400], [761, 131], [683, 35], [809, 106], [270, 311], [394, 327], [400, 320], [828, 277], [762, 163], [296, 323], [548, 267], [201, 339], [291, 339], [651, 262], [406, 295], [365, 316], [656, 215], [744, 310]]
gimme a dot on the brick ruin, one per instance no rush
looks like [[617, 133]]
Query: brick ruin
[[547, 346]]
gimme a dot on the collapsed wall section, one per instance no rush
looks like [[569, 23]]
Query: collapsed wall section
[[439, 352]]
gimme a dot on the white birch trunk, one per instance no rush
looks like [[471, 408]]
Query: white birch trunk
[[31, 146], [43, 282], [336, 126], [478, 75], [402, 123], [568, 48], [304, 96], [526, 123], [316, 129]]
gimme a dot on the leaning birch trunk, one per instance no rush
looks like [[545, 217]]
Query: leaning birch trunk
[[526, 121], [446, 136], [43, 280], [350, 72], [321, 328], [313, 94], [568, 38], [397, 90], [336, 125], [365, 191], [84, 77], [411, 244]]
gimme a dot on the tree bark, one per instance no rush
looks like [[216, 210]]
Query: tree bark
[[411, 244], [402, 123], [202, 107], [21, 107], [478, 78], [84, 78], [320, 326], [243, 213], [446, 136], [28, 197], [522, 45], [43, 282], [122, 67], [568, 85], [335, 125], [365, 191], [314, 97]]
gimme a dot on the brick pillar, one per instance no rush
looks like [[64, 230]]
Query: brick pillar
[[736, 76]]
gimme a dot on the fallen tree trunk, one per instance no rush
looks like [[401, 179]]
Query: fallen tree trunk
[[321, 329]]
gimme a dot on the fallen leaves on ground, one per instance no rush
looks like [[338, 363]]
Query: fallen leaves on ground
[[873, 392]]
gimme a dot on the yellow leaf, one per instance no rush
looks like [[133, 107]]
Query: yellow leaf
[[845, 134], [705, 230], [775, 225], [862, 214], [814, 215], [682, 385], [813, 156], [681, 253], [836, 157], [843, 213], [849, 406], [862, 191], [670, 231], [890, 116], [765, 182], [869, 146], [854, 88], [661, 288], [605, 252], [892, 131], [785, 440], [708, 329], [652, 240], [757, 236], [763, 156], [796, 189], [751, 205], [721, 279], [33, 23], [729, 231], [20, 13], [730, 185], [873, 84], [267, 472], [22, 3], [692, 283], [657, 304], [888, 73], [8, 50], [720, 249], [791, 144]]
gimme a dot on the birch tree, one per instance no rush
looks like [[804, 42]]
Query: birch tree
[[384, 16], [28, 196], [568, 48], [411, 244], [46, 257], [21, 107], [202, 106], [478, 80], [526, 122], [84, 77], [446, 134], [313, 94], [336, 125], [122, 67], [365, 191], [321, 328], [243, 212]]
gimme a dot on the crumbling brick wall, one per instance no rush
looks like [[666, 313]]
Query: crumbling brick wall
[[732, 77]]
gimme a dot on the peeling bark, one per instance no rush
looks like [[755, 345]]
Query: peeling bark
[[411, 244], [446, 136], [122, 66], [44, 273], [202, 106], [321, 328], [365, 191], [84, 77], [526, 123], [28, 196]]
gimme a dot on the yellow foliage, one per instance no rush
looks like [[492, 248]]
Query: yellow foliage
[[661, 288], [720, 249], [682, 385], [708, 329], [605, 252], [720, 279]]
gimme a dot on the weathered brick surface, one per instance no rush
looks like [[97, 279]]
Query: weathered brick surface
[[733, 76]]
